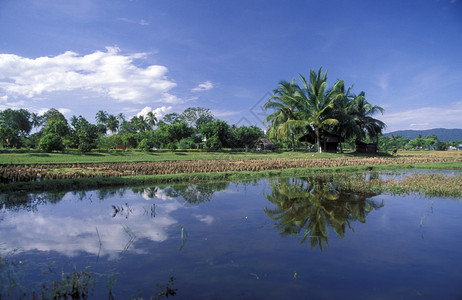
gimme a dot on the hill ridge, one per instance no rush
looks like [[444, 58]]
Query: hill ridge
[[443, 134]]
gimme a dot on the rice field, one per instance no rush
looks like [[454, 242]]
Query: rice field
[[23, 173]]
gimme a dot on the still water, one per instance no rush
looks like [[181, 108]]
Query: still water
[[270, 239]]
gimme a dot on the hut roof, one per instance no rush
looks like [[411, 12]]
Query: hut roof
[[265, 142]]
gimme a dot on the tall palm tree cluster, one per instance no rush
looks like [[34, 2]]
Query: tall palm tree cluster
[[311, 109]]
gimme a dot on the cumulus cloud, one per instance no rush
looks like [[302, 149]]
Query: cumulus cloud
[[159, 112], [108, 73], [205, 86]]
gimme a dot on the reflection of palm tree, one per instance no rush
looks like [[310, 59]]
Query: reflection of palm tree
[[310, 206]]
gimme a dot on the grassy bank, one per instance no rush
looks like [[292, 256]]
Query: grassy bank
[[73, 170], [72, 157], [337, 172]]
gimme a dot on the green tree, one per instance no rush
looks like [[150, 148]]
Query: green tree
[[368, 125], [283, 121], [315, 103], [140, 123], [53, 114], [171, 118], [217, 134], [15, 125], [343, 112], [196, 116], [146, 144], [51, 142], [101, 117], [36, 120], [168, 135], [112, 123], [84, 134], [151, 119], [57, 126], [247, 136]]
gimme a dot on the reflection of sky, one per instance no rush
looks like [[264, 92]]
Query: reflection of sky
[[71, 226]]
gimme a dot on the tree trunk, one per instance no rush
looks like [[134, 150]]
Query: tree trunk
[[293, 141], [318, 139]]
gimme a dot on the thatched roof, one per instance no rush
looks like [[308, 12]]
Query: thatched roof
[[265, 142]]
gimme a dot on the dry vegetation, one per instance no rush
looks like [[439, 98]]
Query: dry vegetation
[[23, 173]]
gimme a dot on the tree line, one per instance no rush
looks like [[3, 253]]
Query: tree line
[[298, 115], [430, 142], [193, 128]]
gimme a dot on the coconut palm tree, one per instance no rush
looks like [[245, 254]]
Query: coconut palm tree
[[101, 117], [151, 119], [36, 120], [368, 125], [282, 120], [315, 103], [344, 113], [112, 123]]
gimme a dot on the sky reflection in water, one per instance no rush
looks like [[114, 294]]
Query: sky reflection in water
[[270, 239]]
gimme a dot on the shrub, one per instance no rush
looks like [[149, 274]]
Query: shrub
[[51, 142], [145, 144]]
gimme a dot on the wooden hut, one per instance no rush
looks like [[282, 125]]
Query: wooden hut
[[264, 144], [329, 141]]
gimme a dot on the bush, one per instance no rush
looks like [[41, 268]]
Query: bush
[[51, 142], [214, 144], [187, 143], [145, 144]]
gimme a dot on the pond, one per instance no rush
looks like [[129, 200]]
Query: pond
[[269, 239]]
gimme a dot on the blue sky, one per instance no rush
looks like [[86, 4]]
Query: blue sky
[[131, 57]]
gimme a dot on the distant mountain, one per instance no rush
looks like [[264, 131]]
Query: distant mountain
[[442, 133]]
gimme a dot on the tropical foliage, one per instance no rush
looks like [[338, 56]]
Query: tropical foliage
[[311, 108], [194, 128]]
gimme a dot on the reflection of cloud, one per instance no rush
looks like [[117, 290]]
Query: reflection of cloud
[[207, 219], [64, 231]]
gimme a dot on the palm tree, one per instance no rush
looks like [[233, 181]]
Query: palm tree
[[120, 117], [101, 117], [282, 119], [344, 113], [368, 126], [36, 120], [315, 103], [139, 122], [151, 119], [112, 123]]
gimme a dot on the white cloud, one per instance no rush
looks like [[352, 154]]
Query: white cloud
[[205, 86], [159, 112], [448, 116], [109, 74], [223, 114], [141, 22]]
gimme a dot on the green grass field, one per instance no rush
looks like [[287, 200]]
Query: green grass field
[[138, 156]]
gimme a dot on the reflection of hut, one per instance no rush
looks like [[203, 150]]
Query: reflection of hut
[[366, 147], [329, 141], [264, 144]]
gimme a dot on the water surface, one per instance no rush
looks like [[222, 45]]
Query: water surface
[[271, 239]]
